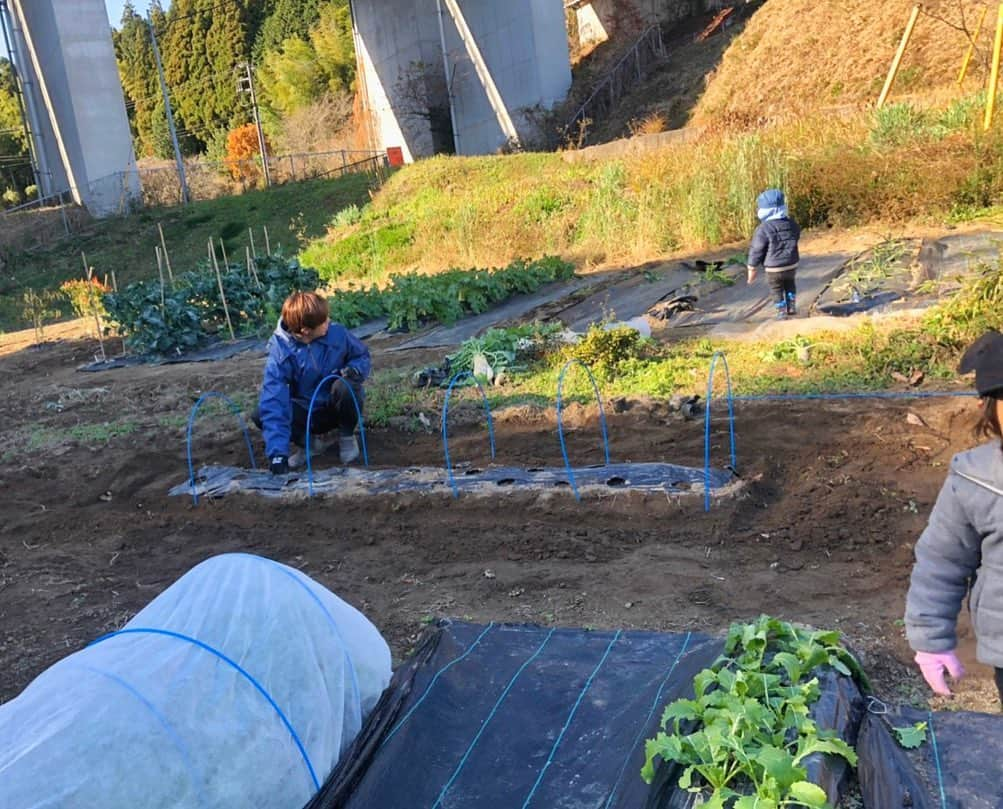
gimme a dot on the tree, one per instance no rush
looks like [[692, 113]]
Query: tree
[[303, 70], [137, 68], [15, 160], [243, 152], [288, 19]]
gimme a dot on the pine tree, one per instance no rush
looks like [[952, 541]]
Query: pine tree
[[136, 66], [287, 19]]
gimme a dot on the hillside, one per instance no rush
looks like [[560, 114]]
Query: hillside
[[797, 55]]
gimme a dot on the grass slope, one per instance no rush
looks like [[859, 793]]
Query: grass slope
[[797, 55], [293, 214]]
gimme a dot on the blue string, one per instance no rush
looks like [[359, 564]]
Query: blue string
[[487, 721], [206, 647], [462, 375], [784, 397], [191, 425], [309, 418], [330, 618], [449, 665], [172, 734], [654, 704], [560, 421], [574, 710], [936, 760], [731, 424]]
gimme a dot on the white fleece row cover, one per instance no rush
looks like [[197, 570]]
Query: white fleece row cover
[[241, 685]]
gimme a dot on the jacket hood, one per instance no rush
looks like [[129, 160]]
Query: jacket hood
[[982, 465], [771, 205], [282, 337]]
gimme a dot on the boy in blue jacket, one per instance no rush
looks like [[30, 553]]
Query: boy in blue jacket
[[306, 347], [775, 247]]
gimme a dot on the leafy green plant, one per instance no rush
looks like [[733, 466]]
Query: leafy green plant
[[605, 350], [503, 348], [865, 274], [911, 736], [744, 739]]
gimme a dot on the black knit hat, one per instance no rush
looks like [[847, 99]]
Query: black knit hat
[[985, 357]]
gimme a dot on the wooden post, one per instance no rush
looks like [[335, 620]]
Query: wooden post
[[222, 294], [222, 249], [167, 258], [894, 69], [89, 274], [160, 272], [268, 246], [250, 233], [114, 281], [251, 270], [994, 75], [971, 47]]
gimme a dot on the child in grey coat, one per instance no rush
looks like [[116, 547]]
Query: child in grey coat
[[774, 247], [961, 551]]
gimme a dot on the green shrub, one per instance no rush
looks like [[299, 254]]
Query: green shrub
[[605, 350]]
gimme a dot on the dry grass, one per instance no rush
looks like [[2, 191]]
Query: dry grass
[[797, 55]]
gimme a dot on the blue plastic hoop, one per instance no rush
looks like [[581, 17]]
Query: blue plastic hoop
[[560, 421], [191, 425], [445, 424], [309, 419], [731, 425]]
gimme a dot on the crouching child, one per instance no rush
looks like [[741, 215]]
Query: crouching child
[[306, 347]]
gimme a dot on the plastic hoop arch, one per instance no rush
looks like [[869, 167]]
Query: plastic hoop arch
[[309, 420], [191, 424], [560, 421], [462, 375], [731, 425]]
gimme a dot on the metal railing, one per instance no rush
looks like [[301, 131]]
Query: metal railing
[[629, 70]]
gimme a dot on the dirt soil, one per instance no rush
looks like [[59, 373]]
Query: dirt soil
[[836, 495]]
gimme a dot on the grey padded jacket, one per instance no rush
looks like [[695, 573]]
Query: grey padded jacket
[[961, 552]]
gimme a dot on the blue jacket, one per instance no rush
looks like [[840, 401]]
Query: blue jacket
[[292, 372], [775, 244]]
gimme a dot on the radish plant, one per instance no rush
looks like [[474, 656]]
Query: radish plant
[[744, 737]]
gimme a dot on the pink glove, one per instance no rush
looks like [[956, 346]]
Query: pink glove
[[932, 664]]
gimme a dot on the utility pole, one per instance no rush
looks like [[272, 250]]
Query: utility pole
[[245, 84], [182, 180]]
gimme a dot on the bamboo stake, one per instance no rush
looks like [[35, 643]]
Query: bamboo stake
[[222, 294], [894, 69], [994, 75], [167, 258], [89, 274], [268, 247], [222, 249], [160, 272], [250, 233], [971, 47], [251, 269], [114, 281]]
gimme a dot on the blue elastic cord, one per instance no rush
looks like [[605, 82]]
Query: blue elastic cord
[[172, 734], [654, 705], [309, 418], [731, 425], [462, 375], [936, 760], [795, 397], [191, 425], [487, 721], [330, 619], [449, 665], [560, 421], [206, 647], [567, 723]]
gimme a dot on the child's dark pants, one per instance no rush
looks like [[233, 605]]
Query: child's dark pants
[[783, 287], [339, 414]]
